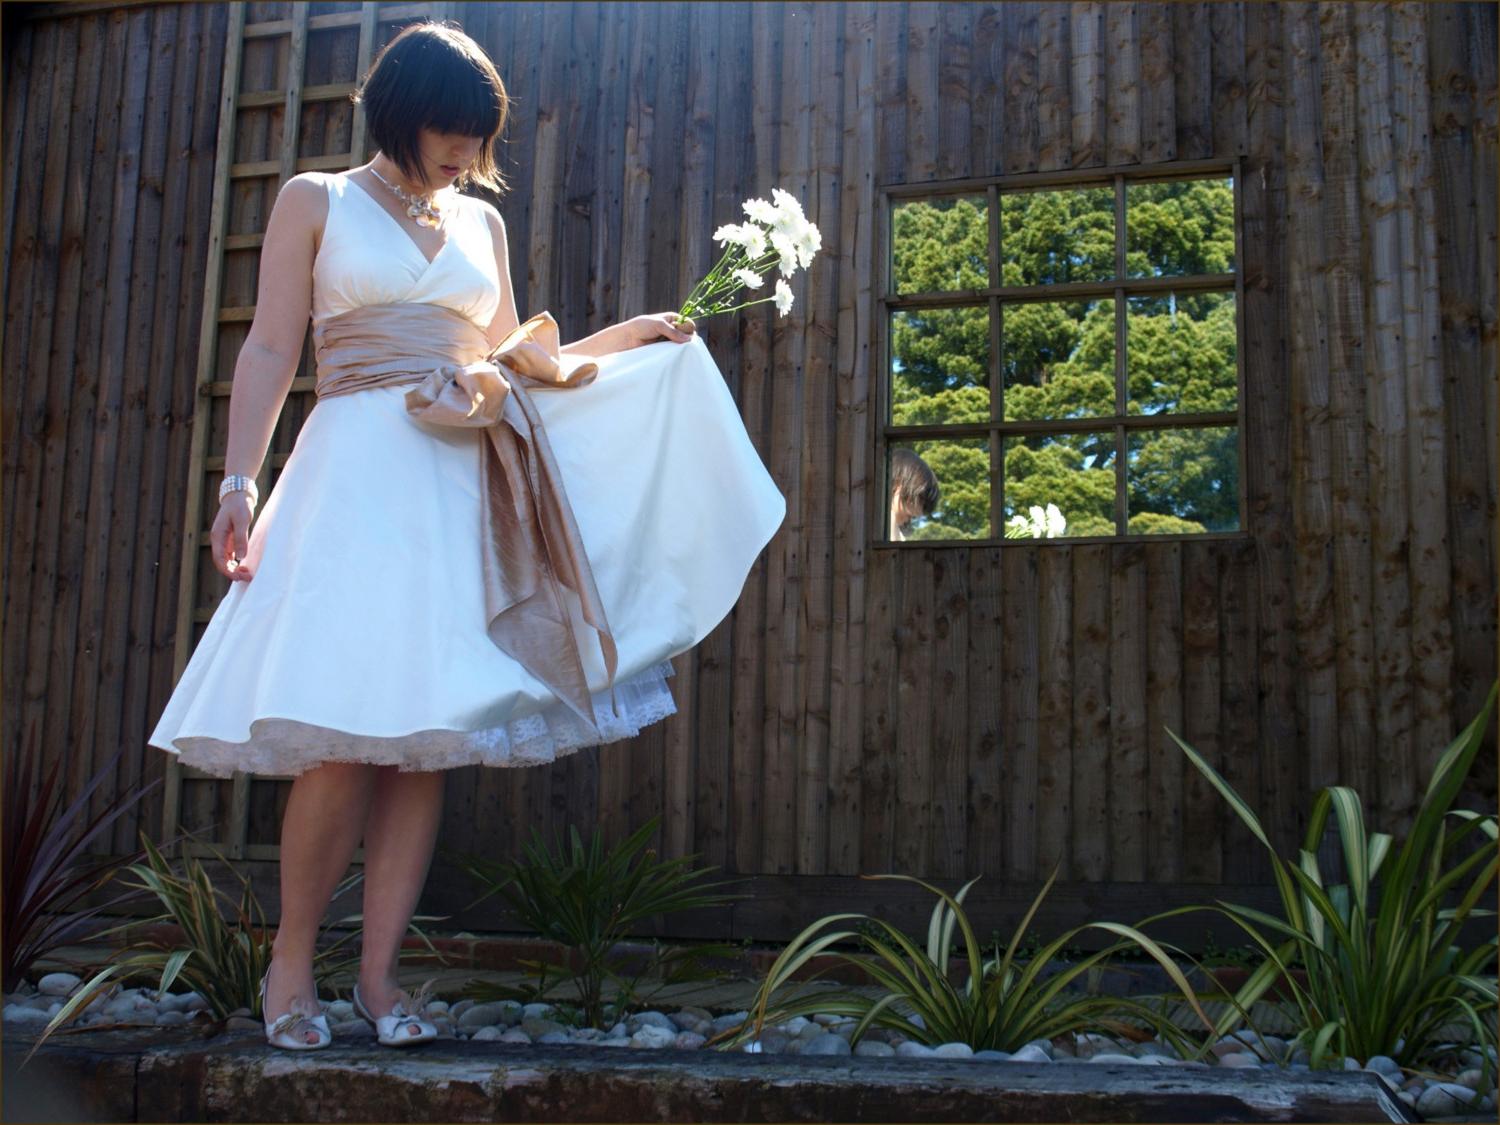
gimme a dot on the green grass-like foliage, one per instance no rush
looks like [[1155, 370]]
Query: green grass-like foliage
[[589, 899], [225, 953], [47, 872], [1004, 1003], [1384, 969]]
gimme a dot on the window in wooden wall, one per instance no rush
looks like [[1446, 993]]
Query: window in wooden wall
[[1061, 357]]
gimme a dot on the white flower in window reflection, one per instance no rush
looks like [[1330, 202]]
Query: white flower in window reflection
[[1038, 523]]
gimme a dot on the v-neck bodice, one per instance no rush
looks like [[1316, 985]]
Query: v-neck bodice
[[365, 258]]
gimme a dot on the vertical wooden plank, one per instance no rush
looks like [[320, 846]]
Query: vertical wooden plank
[[986, 845], [853, 471], [986, 104], [1019, 704], [1087, 42], [923, 40], [821, 291], [1054, 710], [1202, 807], [23, 449], [1229, 60], [1311, 445], [695, 769], [1158, 82], [1054, 88], [1346, 361], [18, 83], [1122, 33], [54, 328], [1385, 410], [1267, 388], [1164, 761], [1091, 705], [544, 158], [206, 368], [955, 90], [1129, 796], [785, 578], [754, 662], [879, 778], [106, 288], [1427, 552], [1019, 43], [1245, 860], [916, 667], [1192, 70], [524, 83], [126, 645], [948, 694], [1461, 241]]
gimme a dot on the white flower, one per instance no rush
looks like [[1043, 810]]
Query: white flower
[[755, 242], [790, 211], [787, 250], [783, 297], [1056, 523], [749, 279], [760, 210], [730, 232], [808, 242]]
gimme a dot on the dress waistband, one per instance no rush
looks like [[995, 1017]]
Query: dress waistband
[[530, 545]]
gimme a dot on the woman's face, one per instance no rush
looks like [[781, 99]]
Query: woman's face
[[446, 156]]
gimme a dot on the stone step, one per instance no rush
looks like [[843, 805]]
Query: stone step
[[174, 1074]]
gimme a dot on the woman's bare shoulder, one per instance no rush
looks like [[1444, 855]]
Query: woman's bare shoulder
[[305, 200]]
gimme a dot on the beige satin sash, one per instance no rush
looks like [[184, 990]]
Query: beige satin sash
[[531, 548]]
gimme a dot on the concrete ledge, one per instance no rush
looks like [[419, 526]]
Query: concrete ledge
[[172, 1074]]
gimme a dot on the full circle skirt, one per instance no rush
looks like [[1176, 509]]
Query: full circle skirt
[[361, 637]]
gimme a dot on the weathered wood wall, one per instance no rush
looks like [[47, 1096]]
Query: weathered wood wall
[[942, 711]]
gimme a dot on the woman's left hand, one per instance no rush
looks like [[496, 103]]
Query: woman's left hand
[[652, 327]]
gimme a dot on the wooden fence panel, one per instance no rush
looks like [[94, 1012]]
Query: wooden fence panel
[[938, 710]]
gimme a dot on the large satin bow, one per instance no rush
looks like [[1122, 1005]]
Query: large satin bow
[[532, 551]]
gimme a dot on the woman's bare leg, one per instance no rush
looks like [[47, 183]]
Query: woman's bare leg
[[405, 815], [324, 819]]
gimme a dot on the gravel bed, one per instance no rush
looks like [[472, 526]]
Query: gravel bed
[[1458, 1089]]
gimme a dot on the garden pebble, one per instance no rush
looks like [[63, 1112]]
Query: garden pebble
[[615, 1041], [650, 1035], [795, 1025], [990, 1056], [486, 1033], [558, 1036], [911, 1049], [874, 1049], [1030, 1053], [243, 1023], [1383, 1064], [1044, 1046], [827, 1045], [1470, 1078], [1239, 1061], [58, 984], [732, 1019], [479, 1015], [649, 1019], [514, 1035], [688, 1041], [953, 1051], [169, 1019], [1442, 1099], [537, 1011], [536, 1026], [23, 1014]]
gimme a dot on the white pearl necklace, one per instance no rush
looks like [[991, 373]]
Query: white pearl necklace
[[422, 208]]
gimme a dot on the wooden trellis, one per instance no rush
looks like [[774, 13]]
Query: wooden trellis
[[246, 162]]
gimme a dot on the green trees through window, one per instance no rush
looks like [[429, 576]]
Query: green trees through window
[[1160, 286]]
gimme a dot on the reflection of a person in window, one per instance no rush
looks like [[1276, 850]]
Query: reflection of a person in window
[[914, 491]]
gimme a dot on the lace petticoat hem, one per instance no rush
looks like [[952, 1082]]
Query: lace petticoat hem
[[290, 747]]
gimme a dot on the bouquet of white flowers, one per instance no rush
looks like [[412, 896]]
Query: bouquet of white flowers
[[778, 234]]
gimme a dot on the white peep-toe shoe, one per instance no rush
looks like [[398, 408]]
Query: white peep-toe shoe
[[285, 1030], [401, 1027]]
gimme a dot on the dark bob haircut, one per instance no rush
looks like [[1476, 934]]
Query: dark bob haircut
[[433, 75]]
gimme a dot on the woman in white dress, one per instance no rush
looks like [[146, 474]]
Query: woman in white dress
[[484, 548]]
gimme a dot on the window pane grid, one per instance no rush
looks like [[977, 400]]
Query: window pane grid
[[1143, 434]]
